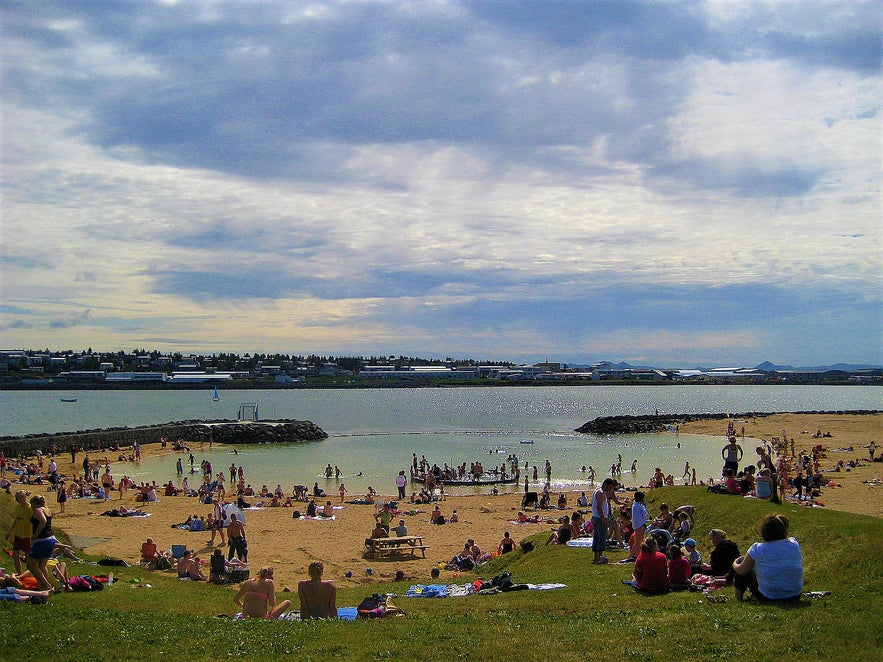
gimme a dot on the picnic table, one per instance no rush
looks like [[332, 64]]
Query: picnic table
[[379, 547]]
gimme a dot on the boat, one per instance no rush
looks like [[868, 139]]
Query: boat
[[527, 441], [486, 479], [217, 396], [68, 399]]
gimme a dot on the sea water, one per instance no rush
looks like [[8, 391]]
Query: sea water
[[374, 432]]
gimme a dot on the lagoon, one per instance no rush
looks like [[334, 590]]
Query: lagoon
[[375, 431]]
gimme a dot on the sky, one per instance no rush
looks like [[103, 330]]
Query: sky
[[673, 184]]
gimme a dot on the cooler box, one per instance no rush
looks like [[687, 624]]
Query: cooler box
[[239, 575]]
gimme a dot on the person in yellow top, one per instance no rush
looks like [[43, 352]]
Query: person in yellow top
[[20, 531]]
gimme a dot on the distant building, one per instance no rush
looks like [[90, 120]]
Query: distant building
[[117, 377]]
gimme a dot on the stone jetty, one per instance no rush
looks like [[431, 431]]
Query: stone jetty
[[652, 423], [219, 432]]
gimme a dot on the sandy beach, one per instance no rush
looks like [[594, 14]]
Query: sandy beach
[[274, 538]]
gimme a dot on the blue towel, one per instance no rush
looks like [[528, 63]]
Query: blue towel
[[347, 613]]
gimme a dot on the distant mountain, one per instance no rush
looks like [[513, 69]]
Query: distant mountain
[[766, 366]]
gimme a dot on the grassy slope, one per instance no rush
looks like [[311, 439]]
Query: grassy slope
[[595, 613]]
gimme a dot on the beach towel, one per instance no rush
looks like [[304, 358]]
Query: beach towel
[[427, 591], [317, 518]]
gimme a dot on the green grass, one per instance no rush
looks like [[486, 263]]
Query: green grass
[[595, 614]]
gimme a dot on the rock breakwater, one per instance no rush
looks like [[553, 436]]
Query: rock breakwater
[[653, 423], [218, 432]]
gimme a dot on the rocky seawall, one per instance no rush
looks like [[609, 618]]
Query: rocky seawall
[[220, 432], [652, 423]]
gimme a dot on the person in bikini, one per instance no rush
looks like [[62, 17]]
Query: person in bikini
[[318, 599], [257, 597]]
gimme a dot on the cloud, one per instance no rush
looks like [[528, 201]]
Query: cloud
[[533, 177]]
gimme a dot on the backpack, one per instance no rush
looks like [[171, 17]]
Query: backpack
[[94, 584], [162, 563], [371, 607]]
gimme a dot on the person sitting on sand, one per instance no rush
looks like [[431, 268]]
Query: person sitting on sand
[[436, 517], [257, 597], [562, 501], [328, 510], [188, 567], [507, 544], [318, 599]]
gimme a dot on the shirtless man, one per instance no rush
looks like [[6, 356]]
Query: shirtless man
[[318, 599], [236, 539], [257, 597]]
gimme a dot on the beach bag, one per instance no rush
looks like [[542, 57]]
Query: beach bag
[[371, 607], [162, 563], [502, 581], [94, 584]]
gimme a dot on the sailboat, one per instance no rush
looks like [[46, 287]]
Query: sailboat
[[217, 396]]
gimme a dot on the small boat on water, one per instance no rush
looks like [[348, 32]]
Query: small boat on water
[[216, 397], [527, 441], [68, 399]]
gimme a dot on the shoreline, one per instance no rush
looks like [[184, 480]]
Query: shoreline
[[290, 545]]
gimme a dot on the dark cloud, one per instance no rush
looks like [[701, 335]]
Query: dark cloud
[[243, 91]]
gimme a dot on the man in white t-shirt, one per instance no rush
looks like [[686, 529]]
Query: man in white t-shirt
[[401, 481]]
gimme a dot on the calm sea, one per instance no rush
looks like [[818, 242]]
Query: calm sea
[[373, 432]]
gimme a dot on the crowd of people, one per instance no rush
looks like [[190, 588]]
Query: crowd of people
[[662, 546]]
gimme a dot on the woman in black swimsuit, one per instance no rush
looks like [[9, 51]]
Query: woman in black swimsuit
[[42, 542]]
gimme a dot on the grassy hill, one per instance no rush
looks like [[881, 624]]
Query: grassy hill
[[595, 617]]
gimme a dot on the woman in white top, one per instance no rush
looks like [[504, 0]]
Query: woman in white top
[[773, 569]]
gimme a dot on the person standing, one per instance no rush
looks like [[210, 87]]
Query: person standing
[[600, 515], [42, 542], [401, 482], [236, 539], [640, 515], [219, 515], [21, 529], [732, 455], [61, 496]]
